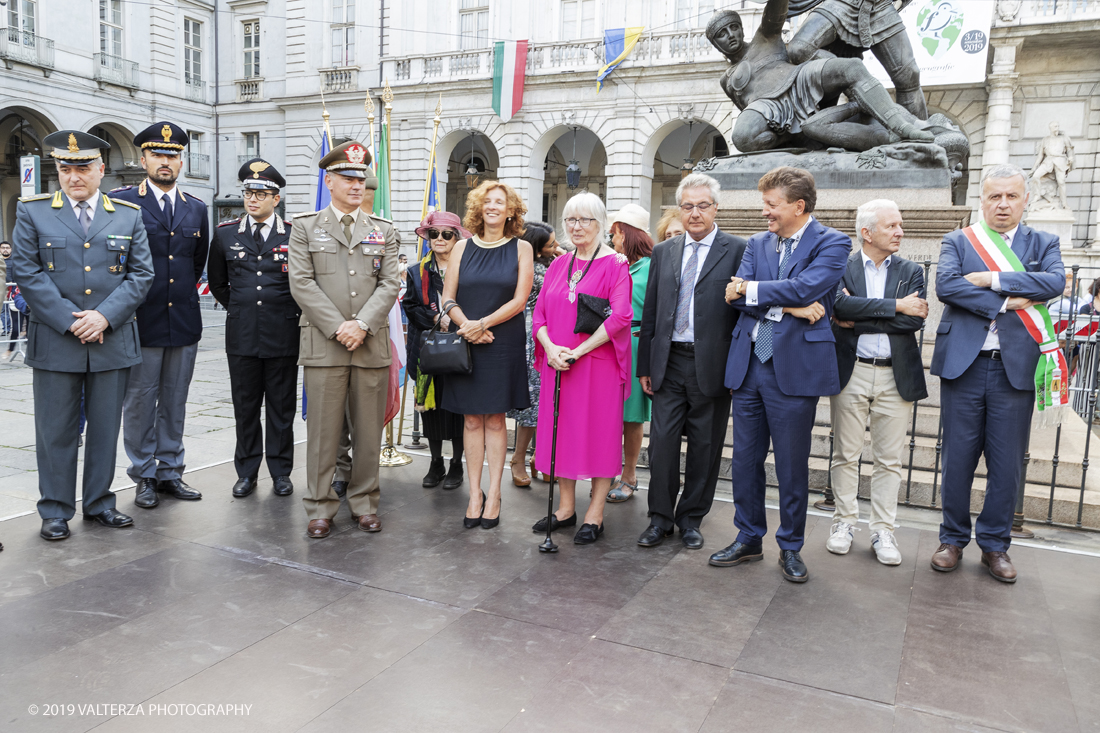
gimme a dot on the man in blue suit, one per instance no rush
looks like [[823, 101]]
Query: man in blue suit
[[986, 362], [782, 359], [169, 320]]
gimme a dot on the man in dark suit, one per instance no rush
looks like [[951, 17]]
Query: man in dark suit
[[879, 308], [781, 360], [84, 268], [681, 355], [170, 321], [986, 361], [248, 272]]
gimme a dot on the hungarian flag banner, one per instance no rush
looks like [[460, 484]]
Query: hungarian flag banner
[[509, 66], [1051, 373]]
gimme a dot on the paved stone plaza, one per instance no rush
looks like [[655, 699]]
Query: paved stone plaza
[[429, 627]]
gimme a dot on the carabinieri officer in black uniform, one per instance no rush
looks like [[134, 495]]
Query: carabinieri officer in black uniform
[[248, 276]]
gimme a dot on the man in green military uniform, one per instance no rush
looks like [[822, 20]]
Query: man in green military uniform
[[344, 276], [84, 268]]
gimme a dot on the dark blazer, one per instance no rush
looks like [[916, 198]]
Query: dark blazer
[[804, 354], [421, 315], [253, 285], [170, 315], [877, 315], [966, 319], [714, 319], [62, 270]]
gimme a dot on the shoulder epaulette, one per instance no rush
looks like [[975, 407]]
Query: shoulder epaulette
[[143, 186], [305, 213], [120, 188], [39, 197], [380, 218], [229, 223], [126, 203]]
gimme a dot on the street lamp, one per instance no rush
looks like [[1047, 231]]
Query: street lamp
[[471, 168], [689, 162], [573, 170]]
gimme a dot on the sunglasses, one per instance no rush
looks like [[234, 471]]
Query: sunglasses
[[447, 234]]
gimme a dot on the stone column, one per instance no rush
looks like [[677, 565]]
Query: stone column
[[1000, 84]]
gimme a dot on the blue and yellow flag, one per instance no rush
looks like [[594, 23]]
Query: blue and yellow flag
[[431, 203], [617, 45], [323, 198]]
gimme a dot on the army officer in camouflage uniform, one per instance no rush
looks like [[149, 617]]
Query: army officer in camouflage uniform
[[84, 268], [344, 276], [248, 275]]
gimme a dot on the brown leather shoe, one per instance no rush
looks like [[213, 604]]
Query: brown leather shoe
[[1000, 566], [946, 558], [318, 528], [370, 523]]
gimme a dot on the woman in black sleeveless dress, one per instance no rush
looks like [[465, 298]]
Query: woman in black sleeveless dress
[[490, 278]]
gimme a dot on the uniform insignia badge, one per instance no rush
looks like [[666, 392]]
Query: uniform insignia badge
[[73, 146], [258, 167], [356, 154], [166, 133], [318, 230], [376, 237], [236, 247], [284, 268], [377, 263], [240, 254]]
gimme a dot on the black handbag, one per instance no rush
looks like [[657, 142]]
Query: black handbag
[[444, 353], [592, 311]]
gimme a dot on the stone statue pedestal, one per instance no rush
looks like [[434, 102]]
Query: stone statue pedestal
[[1053, 221]]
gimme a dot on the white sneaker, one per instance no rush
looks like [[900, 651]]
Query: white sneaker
[[840, 538], [885, 547]]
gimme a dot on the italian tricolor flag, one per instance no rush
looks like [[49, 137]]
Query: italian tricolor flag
[[509, 65]]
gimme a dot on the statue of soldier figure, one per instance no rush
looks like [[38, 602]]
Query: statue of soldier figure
[[861, 25], [780, 100], [1053, 159]]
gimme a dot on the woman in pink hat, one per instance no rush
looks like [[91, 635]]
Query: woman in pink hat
[[422, 302]]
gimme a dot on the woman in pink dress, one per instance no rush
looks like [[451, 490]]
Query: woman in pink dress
[[590, 413]]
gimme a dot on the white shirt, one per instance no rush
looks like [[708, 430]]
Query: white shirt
[[265, 226], [992, 340], [775, 313], [688, 336], [172, 194], [874, 345], [93, 202]]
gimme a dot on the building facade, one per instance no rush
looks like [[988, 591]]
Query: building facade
[[248, 77]]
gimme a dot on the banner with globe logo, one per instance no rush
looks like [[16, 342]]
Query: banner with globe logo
[[950, 40]]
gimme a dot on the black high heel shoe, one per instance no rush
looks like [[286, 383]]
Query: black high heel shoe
[[470, 523], [490, 523]]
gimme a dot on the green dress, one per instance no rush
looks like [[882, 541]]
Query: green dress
[[638, 405]]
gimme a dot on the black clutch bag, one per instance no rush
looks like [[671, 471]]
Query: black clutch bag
[[592, 311], [444, 353]]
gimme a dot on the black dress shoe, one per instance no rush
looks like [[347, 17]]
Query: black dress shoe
[[555, 523], [587, 534], [110, 518], [653, 536], [54, 529], [435, 474], [175, 487], [340, 487], [454, 476], [471, 522], [736, 554], [146, 497], [282, 486], [692, 538], [793, 568], [244, 487]]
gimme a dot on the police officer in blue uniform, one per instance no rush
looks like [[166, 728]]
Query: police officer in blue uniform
[[248, 275], [84, 268], [169, 321]]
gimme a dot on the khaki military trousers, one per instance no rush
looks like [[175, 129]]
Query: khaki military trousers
[[329, 390], [870, 394]]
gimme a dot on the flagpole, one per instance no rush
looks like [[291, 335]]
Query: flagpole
[[431, 154], [368, 105]]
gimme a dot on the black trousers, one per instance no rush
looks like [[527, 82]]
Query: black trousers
[[255, 382], [679, 406]]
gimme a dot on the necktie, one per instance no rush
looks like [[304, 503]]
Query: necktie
[[84, 219], [167, 206], [257, 235], [764, 346], [347, 221], [687, 287]]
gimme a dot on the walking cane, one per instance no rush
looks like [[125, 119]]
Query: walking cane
[[548, 544]]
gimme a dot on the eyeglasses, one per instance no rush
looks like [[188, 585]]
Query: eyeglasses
[[578, 222], [447, 234], [258, 195], [703, 208]]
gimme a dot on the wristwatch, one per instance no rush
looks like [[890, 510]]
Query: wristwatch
[[362, 325]]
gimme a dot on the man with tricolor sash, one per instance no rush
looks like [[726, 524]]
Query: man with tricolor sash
[[998, 361]]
